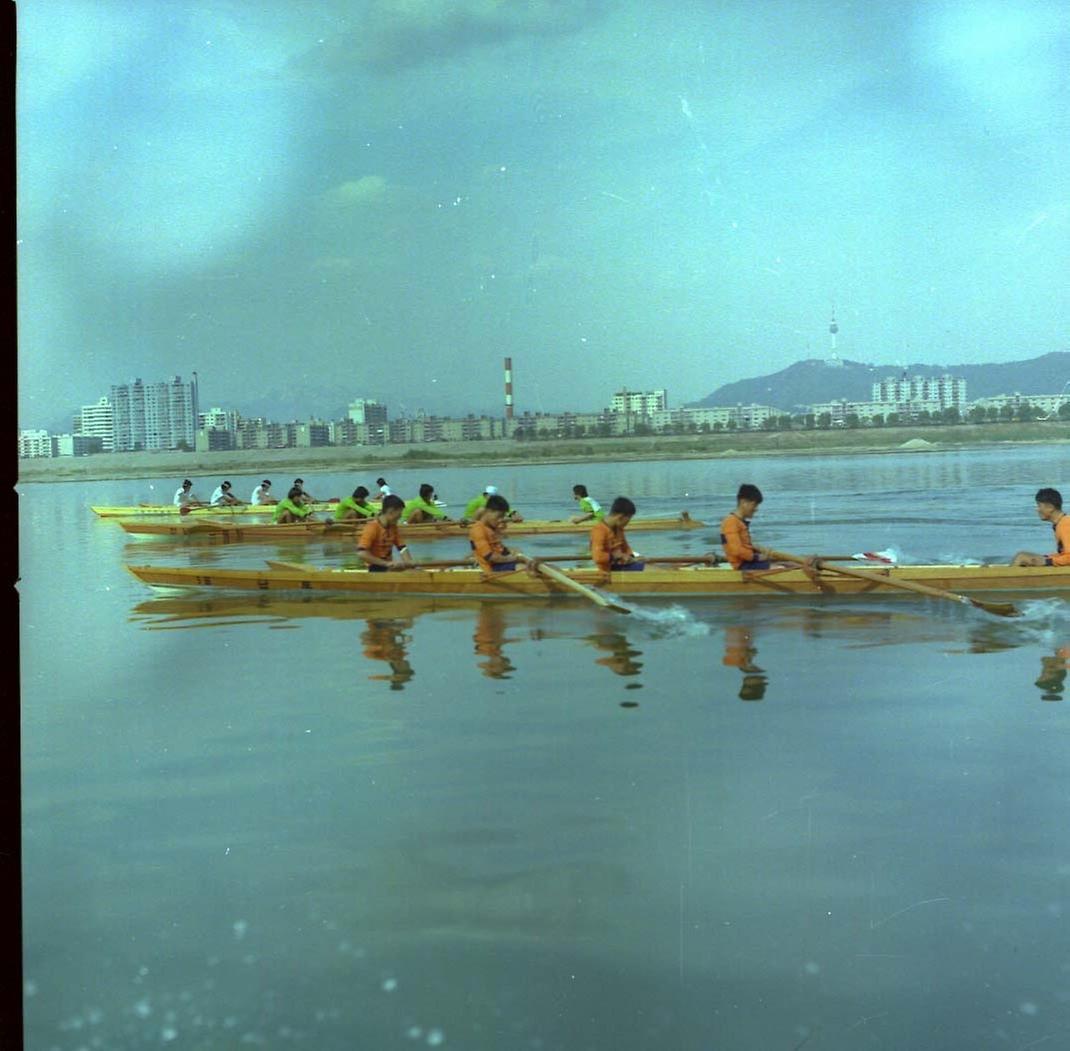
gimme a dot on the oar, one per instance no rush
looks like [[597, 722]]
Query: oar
[[574, 585], [1000, 609]]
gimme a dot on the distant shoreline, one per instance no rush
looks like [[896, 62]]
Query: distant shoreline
[[381, 459]]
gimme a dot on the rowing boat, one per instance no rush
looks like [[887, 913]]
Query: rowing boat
[[256, 531], [156, 510], [692, 581]]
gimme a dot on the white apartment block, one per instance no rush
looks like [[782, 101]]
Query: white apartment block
[[946, 391], [34, 445], [742, 417], [154, 415], [639, 403], [97, 421], [218, 419], [1046, 403]]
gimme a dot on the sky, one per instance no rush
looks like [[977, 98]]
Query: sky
[[320, 202]]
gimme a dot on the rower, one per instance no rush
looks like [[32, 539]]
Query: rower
[[380, 536], [423, 508], [223, 497], [590, 509], [473, 510], [354, 507], [610, 550], [485, 537], [384, 489], [185, 497], [1049, 509], [293, 508], [262, 494], [736, 541], [299, 483]]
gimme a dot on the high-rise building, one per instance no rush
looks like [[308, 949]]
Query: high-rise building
[[154, 415], [97, 421], [639, 403], [947, 391], [373, 416]]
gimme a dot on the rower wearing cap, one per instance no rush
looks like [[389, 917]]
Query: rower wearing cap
[[262, 494], [473, 510], [293, 508], [355, 506], [381, 536], [484, 534], [590, 509], [223, 497], [610, 550], [185, 497], [423, 508], [1049, 509]]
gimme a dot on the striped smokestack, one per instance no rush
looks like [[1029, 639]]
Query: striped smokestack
[[508, 388]]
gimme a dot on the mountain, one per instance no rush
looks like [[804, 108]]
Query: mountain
[[815, 380]]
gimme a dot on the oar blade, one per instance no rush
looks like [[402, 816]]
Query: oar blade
[[999, 609]]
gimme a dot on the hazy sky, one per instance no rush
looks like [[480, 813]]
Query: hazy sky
[[384, 199]]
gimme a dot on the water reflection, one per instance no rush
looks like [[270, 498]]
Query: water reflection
[[387, 640], [621, 655], [739, 652], [488, 639], [1053, 671]]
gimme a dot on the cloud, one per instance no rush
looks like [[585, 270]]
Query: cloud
[[355, 192], [401, 34]]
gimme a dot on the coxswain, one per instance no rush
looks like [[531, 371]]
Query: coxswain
[[485, 537], [380, 537], [354, 507], [610, 550], [223, 497], [1049, 509], [590, 509], [185, 497], [423, 508], [293, 508], [262, 494]]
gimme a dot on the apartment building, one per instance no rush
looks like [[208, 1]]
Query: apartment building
[[154, 415]]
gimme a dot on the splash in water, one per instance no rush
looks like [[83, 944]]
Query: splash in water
[[669, 621]]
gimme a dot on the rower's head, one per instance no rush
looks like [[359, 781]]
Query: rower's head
[[299, 482], [496, 508], [380, 481], [748, 498], [187, 484], [427, 493], [225, 487], [360, 493], [491, 490], [295, 493], [622, 509], [1049, 502], [393, 506], [266, 483], [579, 492]]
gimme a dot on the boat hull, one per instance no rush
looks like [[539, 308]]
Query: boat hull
[[227, 532], [697, 582]]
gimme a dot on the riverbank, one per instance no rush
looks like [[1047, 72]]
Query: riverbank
[[380, 459]]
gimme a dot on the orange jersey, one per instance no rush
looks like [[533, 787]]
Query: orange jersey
[[380, 540], [736, 541], [1062, 542], [608, 545], [486, 541]]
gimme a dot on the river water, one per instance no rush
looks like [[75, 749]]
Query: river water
[[734, 823]]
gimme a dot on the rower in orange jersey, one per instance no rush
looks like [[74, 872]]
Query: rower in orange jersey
[[736, 541], [485, 536], [1049, 509], [380, 537], [610, 550]]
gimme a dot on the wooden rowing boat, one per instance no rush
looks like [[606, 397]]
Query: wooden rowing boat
[[252, 532], [692, 581], [171, 510]]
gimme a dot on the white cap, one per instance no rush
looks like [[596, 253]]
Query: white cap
[[490, 490]]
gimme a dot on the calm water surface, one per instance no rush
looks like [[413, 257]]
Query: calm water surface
[[746, 823]]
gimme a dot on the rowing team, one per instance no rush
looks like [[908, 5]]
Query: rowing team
[[611, 552], [223, 496]]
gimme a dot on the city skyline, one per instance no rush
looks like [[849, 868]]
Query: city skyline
[[380, 196]]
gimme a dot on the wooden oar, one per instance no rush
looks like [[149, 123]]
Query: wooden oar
[[552, 573], [1000, 609]]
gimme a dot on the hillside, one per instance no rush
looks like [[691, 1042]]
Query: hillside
[[810, 381]]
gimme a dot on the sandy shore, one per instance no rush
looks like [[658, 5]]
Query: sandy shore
[[380, 459]]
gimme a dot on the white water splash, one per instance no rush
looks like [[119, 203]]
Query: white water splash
[[669, 621]]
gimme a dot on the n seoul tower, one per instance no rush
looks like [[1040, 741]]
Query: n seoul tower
[[833, 329]]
